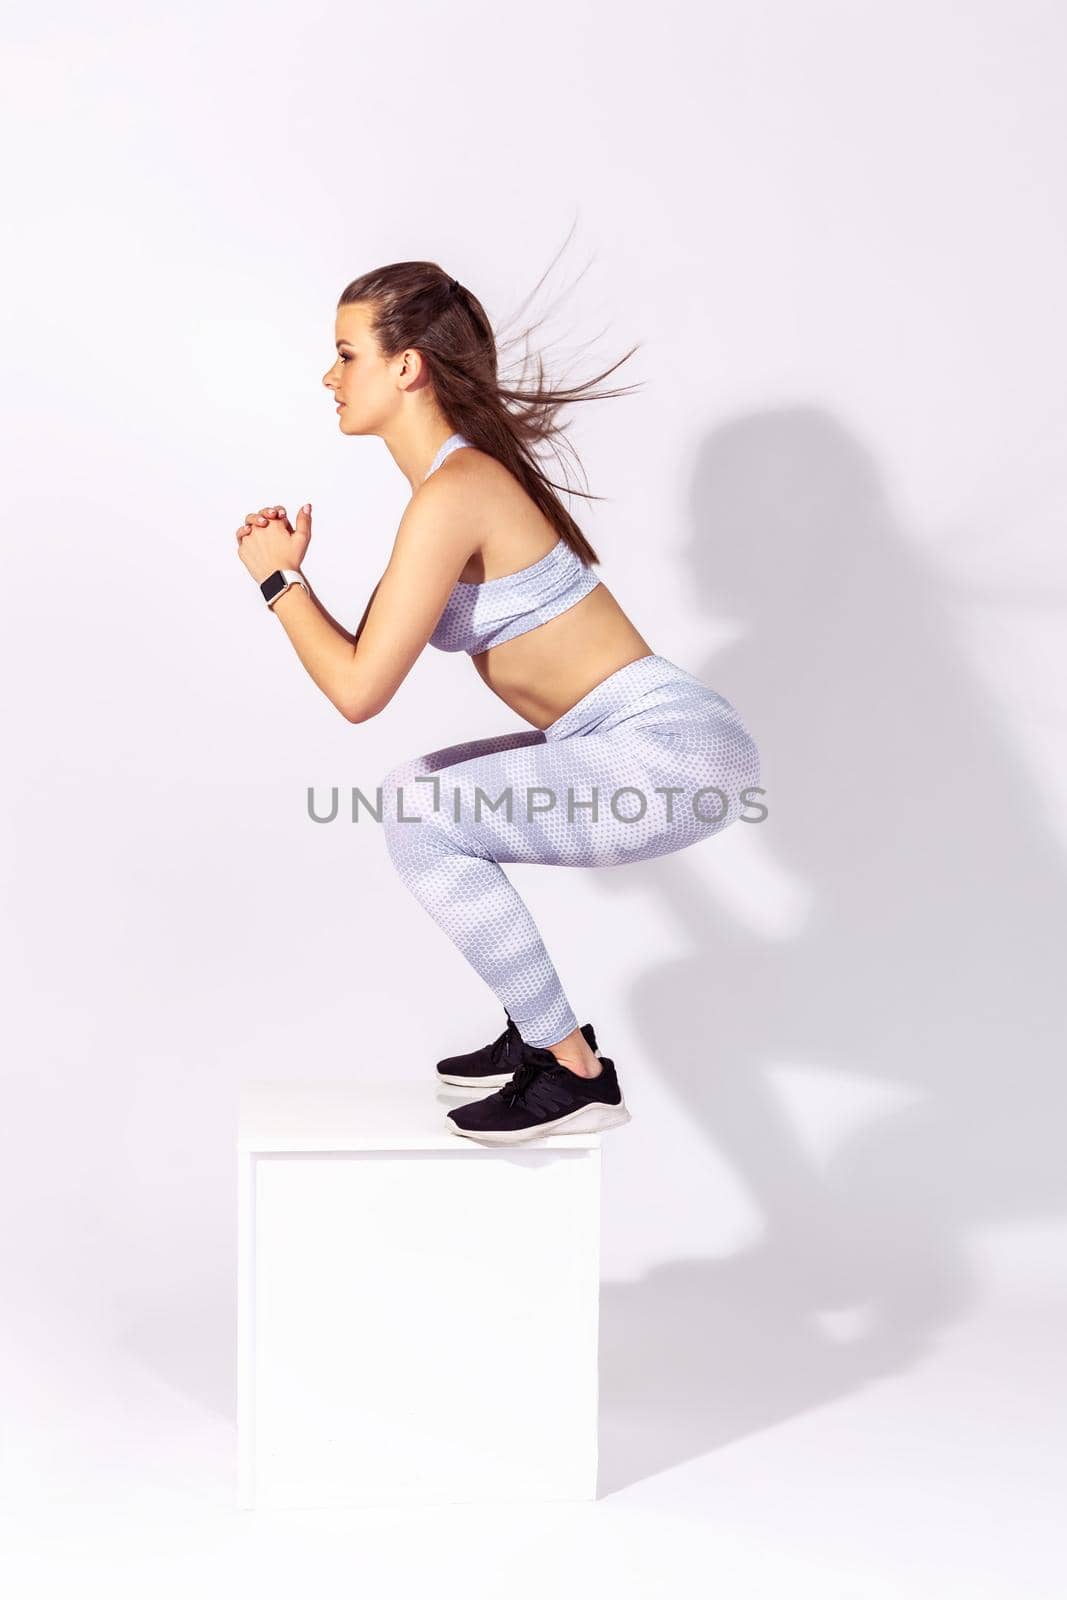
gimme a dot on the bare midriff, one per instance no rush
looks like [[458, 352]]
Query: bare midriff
[[542, 673]]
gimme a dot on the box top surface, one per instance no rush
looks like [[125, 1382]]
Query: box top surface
[[390, 1115]]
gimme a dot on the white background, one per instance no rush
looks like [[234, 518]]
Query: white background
[[834, 1294]]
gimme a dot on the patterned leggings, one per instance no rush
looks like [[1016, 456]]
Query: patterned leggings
[[649, 761]]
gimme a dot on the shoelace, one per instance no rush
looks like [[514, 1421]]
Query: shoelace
[[516, 1087], [499, 1046]]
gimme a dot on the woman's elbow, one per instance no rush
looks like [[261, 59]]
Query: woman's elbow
[[354, 713], [366, 698], [360, 710]]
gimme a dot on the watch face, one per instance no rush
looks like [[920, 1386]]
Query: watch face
[[272, 586]]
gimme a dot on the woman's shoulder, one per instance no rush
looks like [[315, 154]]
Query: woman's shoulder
[[471, 458], [483, 481]]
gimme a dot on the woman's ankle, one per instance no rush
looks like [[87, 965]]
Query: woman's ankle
[[574, 1052]]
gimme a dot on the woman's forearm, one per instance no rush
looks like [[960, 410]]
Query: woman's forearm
[[351, 637], [326, 650]]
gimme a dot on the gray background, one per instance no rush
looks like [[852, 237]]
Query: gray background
[[834, 1231]]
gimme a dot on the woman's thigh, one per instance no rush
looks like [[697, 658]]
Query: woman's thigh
[[595, 800], [453, 755]]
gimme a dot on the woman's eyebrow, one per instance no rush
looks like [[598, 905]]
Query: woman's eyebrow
[[340, 342]]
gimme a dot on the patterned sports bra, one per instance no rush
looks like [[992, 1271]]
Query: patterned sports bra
[[479, 615]]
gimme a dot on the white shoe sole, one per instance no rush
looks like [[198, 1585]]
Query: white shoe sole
[[497, 1081], [593, 1118]]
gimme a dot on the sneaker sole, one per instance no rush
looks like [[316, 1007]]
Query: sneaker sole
[[586, 1119], [494, 1082]]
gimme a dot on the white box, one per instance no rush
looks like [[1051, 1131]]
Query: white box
[[417, 1313]]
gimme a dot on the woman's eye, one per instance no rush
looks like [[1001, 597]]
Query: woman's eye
[[343, 356]]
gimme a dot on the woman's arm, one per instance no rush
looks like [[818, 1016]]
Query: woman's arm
[[351, 637], [366, 614], [433, 544], [325, 649]]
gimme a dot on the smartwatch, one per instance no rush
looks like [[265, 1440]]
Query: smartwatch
[[281, 580]]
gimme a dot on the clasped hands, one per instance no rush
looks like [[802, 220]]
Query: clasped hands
[[266, 541]]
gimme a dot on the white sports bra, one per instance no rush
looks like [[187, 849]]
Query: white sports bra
[[479, 615]]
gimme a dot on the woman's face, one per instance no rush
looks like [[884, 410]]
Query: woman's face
[[363, 383]]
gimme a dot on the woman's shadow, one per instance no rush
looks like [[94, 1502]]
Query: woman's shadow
[[928, 960]]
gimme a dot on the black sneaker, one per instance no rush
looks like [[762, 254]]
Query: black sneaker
[[493, 1065], [544, 1097]]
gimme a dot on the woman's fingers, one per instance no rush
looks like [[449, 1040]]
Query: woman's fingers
[[261, 518]]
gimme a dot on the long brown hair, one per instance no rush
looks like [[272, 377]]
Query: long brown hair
[[416, 304]]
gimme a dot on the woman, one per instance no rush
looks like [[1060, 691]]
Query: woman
[[628, 756]]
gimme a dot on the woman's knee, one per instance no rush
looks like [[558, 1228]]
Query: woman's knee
[[401, 793]]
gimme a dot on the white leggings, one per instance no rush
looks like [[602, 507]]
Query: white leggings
[[587, 791]]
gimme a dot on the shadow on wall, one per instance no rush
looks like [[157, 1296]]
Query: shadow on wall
[[930, 959]]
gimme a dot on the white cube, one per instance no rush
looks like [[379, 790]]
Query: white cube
[[417, 1313]]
